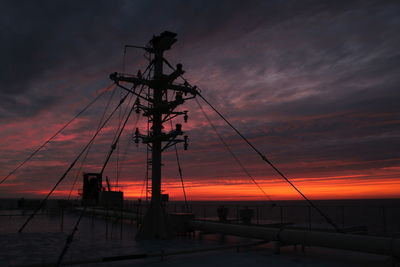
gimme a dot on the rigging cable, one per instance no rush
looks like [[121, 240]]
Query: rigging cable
[[180, 169], [120, 119], [149, 68], [72, 165], [75, 229], [181, 176], [115, 143], [125, 153], [70, 237], [57, 133], [119, 165], [89, 148], [113, 146], [144, 185], [119, 125], [264, 158], [233, 154], [121, 128]]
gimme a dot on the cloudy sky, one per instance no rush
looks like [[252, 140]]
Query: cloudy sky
[[313, 84]]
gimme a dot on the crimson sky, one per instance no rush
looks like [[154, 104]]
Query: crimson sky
[[313, 84]]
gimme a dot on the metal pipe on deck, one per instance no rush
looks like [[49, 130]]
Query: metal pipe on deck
[[362, 243]]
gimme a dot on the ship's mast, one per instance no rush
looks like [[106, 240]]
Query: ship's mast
[[160, 110]]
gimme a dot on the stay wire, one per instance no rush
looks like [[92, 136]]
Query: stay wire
[[181, 177], [72, 165], [148, 69], [144, 185], [75, 229], [264, 158], [120, 95], [55, 134], [125, 153], [115, 141], [71, 237], [89, 148], [233, 154], [120, 119], [180, 171]]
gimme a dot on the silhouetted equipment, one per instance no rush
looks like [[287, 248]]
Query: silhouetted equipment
[[163, 42], [181, 222], [163, 96], [159, 110], [29, 204], [95, 194], [281, 236], [246, 215], [222, 212], [164, 197], [161, 107], [54, 135], [111, 199], [92, 185], [108, 184]]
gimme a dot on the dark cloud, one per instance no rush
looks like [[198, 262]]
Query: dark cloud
[[305, 80]]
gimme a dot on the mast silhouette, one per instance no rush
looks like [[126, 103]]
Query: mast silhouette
[[159, 111]]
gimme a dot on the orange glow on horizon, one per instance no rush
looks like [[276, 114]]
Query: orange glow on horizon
[[243, 190]]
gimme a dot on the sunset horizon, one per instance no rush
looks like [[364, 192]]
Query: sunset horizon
[[200, 133], [323, 109]]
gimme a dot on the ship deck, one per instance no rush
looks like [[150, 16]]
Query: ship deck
[[98, 238]]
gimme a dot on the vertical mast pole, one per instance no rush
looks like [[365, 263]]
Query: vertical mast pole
[[156, 130], [155, 223]]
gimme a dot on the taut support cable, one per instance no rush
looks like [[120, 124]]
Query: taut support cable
[[180, 173], [88, 150], [115, 143], [181, 177], [72, 165], [75, 229], [264, 158], [54, 135], [116, 138], [233, 154]]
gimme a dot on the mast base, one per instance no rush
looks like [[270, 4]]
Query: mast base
[[156, 224]]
